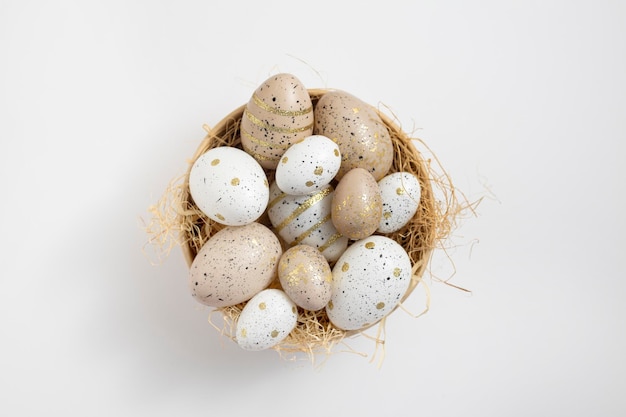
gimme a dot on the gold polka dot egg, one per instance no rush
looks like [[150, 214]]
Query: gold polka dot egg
[[279, 114], [400, 194], [266, 320], [369, 280], [229, 186], [309, 165]]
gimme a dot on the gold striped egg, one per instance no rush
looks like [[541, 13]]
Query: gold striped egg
[[306, 219], [279, 114]]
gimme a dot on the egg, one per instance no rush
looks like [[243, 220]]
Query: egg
[[369, 280], [306, 220], [305, 276], [357, 205], [229, 186], [279, 114], [400, 194], [266, 320], [308, 166], [355, 126], [234, 264]]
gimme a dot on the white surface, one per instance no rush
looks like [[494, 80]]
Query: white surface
[[101, 103]]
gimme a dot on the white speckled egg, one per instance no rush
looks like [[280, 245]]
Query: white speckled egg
[[229, 186], [234, 264], [305, 276], [369, 280], [266, 320], [400, 193], [279, 114], [308, 166], [363, 138], [306, 220]]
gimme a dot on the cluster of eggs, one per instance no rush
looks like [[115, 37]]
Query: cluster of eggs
[[328, 208]]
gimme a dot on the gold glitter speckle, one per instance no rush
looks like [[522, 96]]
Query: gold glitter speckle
[[380, 305], [399, 191], [215, 162], [244, 333], [274, 333], [318, 171], [262, 306], [370, 245], [234, 181], [285, 159], [355, 110], [309, 183], [265, 183], [330, 305], [386, 215], [219, 216], [396, 272], [336, 152], [294, 310], [345, 267]]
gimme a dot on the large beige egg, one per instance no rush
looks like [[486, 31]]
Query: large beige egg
[[279, 114], [305, 276], [357, 205], [363, 138], [306, 219], [234, 264]]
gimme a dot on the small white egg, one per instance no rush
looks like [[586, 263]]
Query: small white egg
[[229, 186], [266, 320], [369, 280], [401, 194], [308, 166]]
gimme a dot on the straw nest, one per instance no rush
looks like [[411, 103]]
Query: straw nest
[[178, 222]]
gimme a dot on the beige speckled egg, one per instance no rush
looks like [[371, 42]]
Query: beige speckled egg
[[266, 320], [279, 114], [306, 220], [357, 205], [305, 276], [234, 264], [369, 280], [354, 125]]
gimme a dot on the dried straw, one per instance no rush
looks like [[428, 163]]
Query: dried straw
[[178, 222]]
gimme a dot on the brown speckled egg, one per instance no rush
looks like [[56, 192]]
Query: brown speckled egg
[[357, 205], [234, 264], [305, 276], [279, 114], [354, 125]]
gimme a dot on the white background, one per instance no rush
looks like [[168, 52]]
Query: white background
[[102, 102]]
